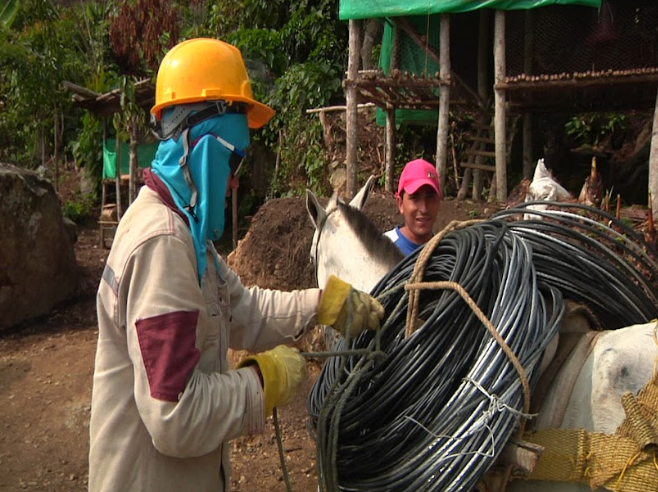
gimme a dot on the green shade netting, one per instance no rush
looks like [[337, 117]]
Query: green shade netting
[[369, 9], [412, 60], [145, 155]]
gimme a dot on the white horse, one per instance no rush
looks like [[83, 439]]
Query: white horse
[[366, 259], [615, 361]]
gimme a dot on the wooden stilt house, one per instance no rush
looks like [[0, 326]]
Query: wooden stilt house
[[505, 61]]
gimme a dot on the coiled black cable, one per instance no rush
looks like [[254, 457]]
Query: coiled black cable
[[434, 412]]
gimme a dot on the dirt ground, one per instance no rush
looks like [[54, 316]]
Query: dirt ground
[[46, 367]]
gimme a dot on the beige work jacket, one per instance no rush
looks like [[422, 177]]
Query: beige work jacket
[[164, 402]]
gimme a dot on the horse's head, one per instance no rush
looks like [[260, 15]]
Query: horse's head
[[346, 243]]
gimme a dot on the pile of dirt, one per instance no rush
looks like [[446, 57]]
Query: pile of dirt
[[275, 252]]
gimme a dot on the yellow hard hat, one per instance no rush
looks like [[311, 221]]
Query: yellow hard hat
[[205, 69]]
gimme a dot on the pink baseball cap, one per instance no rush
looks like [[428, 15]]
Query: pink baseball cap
[[416, 174]]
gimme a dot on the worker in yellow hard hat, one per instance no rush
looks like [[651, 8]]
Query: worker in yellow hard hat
[[164, 401]]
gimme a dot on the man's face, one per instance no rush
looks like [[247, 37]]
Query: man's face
[[419, 211]]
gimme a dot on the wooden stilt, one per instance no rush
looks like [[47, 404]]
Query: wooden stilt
[[527, 117], [653, 160], [444, 101], [500, 110], [351, 115], [389, 184], [117, 175]]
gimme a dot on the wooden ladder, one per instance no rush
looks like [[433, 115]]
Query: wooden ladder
[[481, 157], [110, 210]]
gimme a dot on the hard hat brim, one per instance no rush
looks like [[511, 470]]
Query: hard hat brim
[[258, 114]]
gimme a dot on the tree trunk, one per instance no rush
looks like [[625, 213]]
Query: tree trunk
[[371, 32], [42, 146]]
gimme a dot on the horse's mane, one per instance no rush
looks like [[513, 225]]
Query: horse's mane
[[369, 234]]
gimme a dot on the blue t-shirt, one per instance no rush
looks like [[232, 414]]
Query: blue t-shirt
[[407, 247]]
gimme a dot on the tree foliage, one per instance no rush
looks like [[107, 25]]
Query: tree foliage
[[141, 32], [295, 53], [40, 51], [8, 9], [301, 49]]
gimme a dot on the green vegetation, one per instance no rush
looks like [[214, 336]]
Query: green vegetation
[[80, 209], [295, 53], [592, 129]]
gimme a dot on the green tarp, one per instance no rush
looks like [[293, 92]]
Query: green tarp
[[413, 60], [145, 155], [368, 9]]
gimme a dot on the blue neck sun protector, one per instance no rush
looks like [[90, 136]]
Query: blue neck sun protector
[[207, 161]]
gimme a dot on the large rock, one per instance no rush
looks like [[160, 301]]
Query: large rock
[[37, 261]]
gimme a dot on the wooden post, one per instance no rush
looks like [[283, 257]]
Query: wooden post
[[117, 175], [444, 101], [463, 189], [351, 116], [390, 150], [390, 141], [527, 145], [234, 215], [528, 49], [500, 116], [55, 150], [395, 50], [134, 165], [483, 58], [653, 160], [103, 192]]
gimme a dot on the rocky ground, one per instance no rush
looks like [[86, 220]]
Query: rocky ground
[[46, 367]]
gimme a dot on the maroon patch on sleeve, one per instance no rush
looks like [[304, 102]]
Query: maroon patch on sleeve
[[168, 351]]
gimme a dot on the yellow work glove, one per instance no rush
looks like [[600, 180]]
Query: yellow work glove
[[283, 371], [348, 310]]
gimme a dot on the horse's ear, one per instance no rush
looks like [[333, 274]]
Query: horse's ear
[[315, 210], [361, 197]]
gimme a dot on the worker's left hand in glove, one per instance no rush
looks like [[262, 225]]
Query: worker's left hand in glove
[[348, 310], [283, 371]]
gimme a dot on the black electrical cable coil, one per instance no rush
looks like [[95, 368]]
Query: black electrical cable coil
[[615, 270], [433, 411]]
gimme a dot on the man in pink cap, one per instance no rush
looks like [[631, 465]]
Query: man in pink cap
[[419, 197]]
